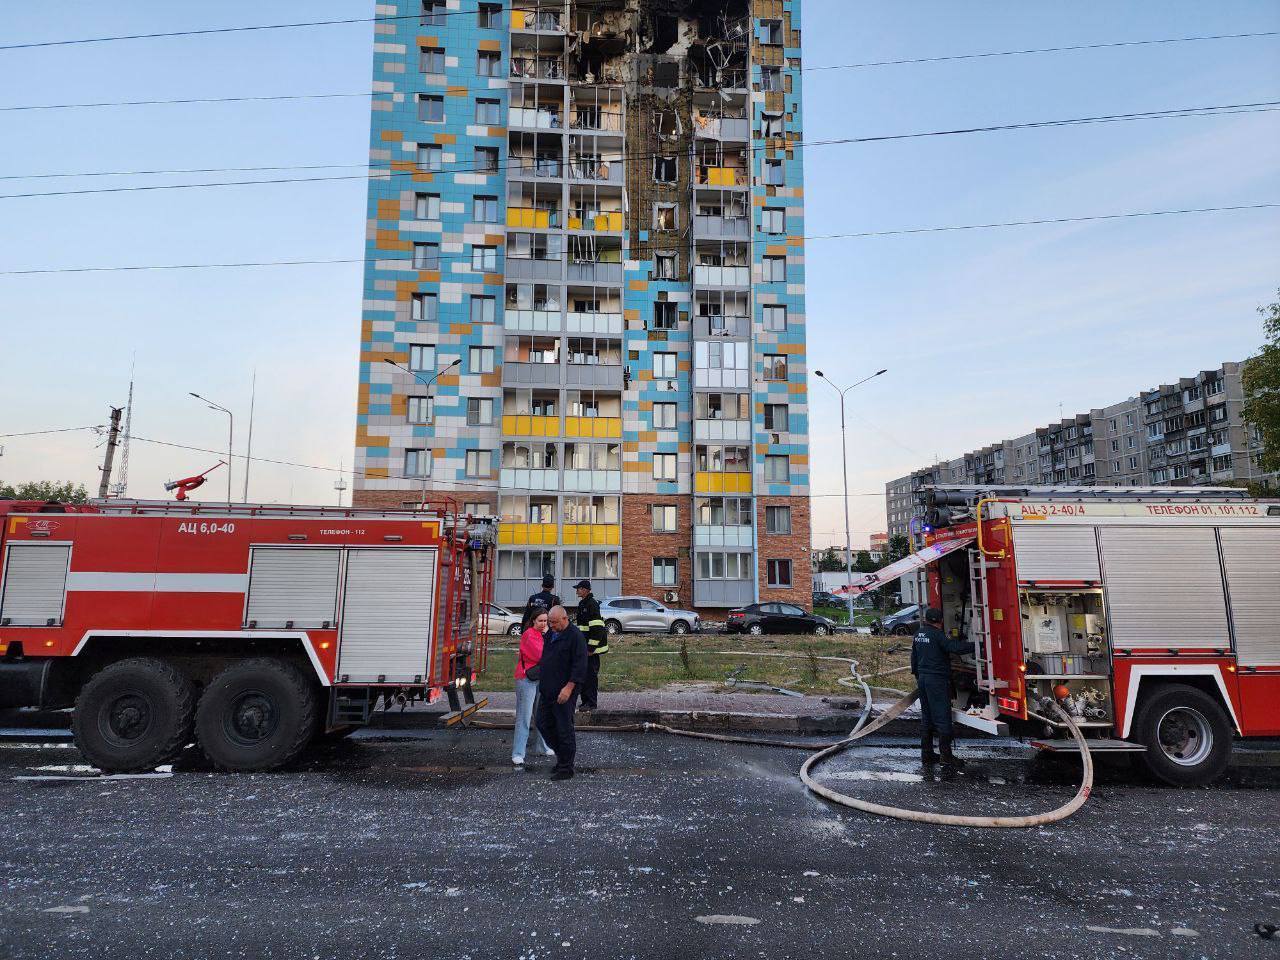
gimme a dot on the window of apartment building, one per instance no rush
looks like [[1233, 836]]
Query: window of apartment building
[[430, 157], [664, 416], [774, 173], [488, 112], [1195, 444], [1128, 419], [1133, 463], [479, 411], [777, 417], [489, 63], [430, 108], [490, 16], [1213, 387], [424, 307], [724, 512], [534, 246], [725, 566], [664, 266], [1218, 414], [1196, 419], [771, 125], [422, 356], [477, 509], [431, 59], [775, 318], [664, 571], [480, 360], [665, 314], [664, 518], [484, 258], [771, 79], [777, 468], [417, 463], [779, 572], [1073, 473], [1155, 430], [483, 309], [1222, 463], [484, 209], [1088, 470], [665, 170], [486, 159], [1115, 467], [1115, 446], [773, 220], [775, 366], [433, 13], [421, 409], [1114, 425], [479, 463], [665, 217], [664, 366], [1130, 442], [426, 256], [426, 206], [774, 270], [1180, 471], [664, 466], [777, 520]]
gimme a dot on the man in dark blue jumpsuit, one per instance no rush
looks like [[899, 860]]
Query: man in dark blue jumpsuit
[[931, 664], [563, 667]]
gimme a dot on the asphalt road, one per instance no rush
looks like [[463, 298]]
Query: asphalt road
[[428, 844]]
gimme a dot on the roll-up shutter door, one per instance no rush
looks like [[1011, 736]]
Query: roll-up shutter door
[[387, 615], [1046, 552], [1252, 559], [297, 585], [1164, 587], [35, 583]]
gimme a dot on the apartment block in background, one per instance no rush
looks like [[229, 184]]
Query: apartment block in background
[[585, 235], [1188, 433]]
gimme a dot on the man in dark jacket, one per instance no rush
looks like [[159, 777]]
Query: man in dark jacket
[[563, 668], [591, 623], [540, 602], [931, 665]]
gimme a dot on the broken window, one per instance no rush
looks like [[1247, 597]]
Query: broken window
[[665, 314], [774, 173], [664, 266], [664, 216], [772, 124], [771, 32], [665, 170], [771, 79]]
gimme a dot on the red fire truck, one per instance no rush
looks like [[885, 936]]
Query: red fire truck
[[248, 629], [1151, 615]]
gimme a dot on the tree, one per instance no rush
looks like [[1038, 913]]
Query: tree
[[45, 490], [1262, 387], [830, 561], [899, 546], [863, 563]]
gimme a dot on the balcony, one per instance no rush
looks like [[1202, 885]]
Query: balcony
[[524, 425], [527, 478], [534, 118], [537, 21], [710, 276], [1220, 449], [721, 128], [721, 228], [722, 482], [535, 168], [721, 177], [537, 68], [606, 376], [527, 534], [594, 323], [595, 170], [723, 593], [592, 481], [531, 321], [724, 536], [729, 378], [592, 534], [594, 119], [607, 222], [719, 325], [518, 374], [533, 218], [585, 271], [593, 428], [717, 430]]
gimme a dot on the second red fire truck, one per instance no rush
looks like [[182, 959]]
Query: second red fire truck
[[249, 630]]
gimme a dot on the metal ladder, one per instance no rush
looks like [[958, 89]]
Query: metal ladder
[[980, 623]]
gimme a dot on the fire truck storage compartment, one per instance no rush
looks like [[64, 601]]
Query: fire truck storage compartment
[[1164, 587], [1064, 643], [35, 581], [1251, 556], [387, 608], [1057, 553], [293, 587]]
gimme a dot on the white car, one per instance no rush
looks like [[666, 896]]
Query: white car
[[503, 621], [643, 615]]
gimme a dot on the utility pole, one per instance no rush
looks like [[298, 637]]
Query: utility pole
[[248, 450], [341, 483], [113, 440]]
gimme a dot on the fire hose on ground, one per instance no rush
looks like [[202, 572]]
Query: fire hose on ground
[[862, 729]]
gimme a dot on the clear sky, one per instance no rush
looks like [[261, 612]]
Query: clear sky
[[986, 333]]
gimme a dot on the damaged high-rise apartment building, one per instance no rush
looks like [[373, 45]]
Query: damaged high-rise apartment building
[[586, 264]]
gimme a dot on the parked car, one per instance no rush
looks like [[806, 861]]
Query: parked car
[[503, 621], [902, 623], [643, 615], [761, 618], [823, 598]]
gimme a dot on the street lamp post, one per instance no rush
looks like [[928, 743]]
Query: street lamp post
[[428, 384], [844, 464], [231, 435]]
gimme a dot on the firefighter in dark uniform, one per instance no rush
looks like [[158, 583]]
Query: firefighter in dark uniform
[[931, 664], [540, 602], [592, 626]]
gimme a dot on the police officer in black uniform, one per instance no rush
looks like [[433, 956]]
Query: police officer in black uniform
[[931, 665], [540, 602], [592, 626]]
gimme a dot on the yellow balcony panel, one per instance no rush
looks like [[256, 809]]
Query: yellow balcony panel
[[527, 534], [518, 19], [523, 425], [607, 221], [528, 217], [592, 535], [603, 428], [575, 223], [722, 482]]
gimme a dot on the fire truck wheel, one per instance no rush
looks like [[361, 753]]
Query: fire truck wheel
[[257, 715], [1187, 736], [134, 715]]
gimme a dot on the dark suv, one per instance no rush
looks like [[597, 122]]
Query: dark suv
[[761, 618], [903, 623]]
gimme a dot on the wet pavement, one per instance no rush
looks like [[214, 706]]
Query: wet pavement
[[427, 842]]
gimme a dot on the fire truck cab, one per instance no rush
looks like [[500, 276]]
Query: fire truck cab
[[250, 630], [1152, 616]]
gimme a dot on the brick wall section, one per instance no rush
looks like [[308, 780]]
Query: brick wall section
[[640, 544], [793, 547], [405, 499]]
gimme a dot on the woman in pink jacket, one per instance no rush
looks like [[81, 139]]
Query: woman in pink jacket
[[527, 689]]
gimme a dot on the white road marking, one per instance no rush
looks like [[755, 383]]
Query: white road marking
[[66, 909], [894, 775], [728, 918], [1126, 931]]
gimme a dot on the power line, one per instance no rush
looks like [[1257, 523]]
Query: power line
[[460, 166], [41, 433], [185, 101], [830, 236]]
